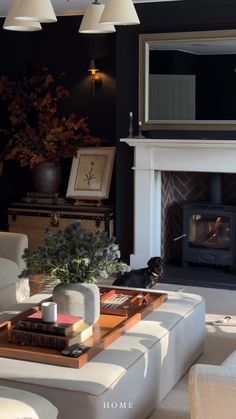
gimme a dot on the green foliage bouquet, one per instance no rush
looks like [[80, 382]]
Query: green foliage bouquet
[[75, 255]]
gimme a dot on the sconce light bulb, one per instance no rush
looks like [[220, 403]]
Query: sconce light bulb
[[131, 114], [92, 67]]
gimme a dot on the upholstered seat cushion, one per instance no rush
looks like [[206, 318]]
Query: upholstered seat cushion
[[12, 288], [16, 404], [9, 272], [230, 360], [12, 246]]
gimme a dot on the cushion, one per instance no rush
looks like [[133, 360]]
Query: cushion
[[9, 272], [12, 246], [230, 361]]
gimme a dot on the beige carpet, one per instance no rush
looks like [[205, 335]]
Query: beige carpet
[[220, 342]]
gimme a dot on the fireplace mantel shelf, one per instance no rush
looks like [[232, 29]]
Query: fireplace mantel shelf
[[179, 143], [188, 155]]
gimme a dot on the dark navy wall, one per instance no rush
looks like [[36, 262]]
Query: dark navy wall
[[176, 16], [62, 48]]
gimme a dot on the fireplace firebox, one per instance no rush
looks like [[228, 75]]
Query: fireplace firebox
[[210, 231]]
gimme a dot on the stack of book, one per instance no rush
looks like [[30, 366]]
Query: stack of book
[[33, 331], [42, 198]]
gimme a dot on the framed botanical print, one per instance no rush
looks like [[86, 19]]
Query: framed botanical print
[[91, 173]]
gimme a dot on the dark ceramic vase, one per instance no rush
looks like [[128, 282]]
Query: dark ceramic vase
[[47, 177]]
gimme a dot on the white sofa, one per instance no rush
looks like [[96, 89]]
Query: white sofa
[[212, 390], [128, 378], [12, 288]]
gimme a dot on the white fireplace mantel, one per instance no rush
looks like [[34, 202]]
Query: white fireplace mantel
[[151, 157], [184, 155]]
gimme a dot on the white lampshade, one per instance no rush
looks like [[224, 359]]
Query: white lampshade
[[12, 24], [120, 12], [35, 10], [90, 22]]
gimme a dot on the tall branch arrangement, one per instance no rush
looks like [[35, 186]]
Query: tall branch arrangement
[[33, 129]]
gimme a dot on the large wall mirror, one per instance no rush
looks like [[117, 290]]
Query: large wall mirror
[[187, 80]]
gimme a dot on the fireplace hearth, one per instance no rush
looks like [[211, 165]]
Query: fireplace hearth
[[198, 276]]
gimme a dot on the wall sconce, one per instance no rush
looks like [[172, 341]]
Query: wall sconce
[[96, 79]]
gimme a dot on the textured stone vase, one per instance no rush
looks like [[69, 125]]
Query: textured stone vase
[[78, 299], [47, 177]]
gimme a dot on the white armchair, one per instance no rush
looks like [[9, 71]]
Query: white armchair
[[16, 404], [12, 289], [212, 390]]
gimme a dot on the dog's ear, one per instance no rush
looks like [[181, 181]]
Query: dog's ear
[[154, 261], [150, 262]]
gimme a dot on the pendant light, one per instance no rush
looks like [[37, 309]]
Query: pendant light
[[90, 22], [35, 10], [12, 24], [120, 12]]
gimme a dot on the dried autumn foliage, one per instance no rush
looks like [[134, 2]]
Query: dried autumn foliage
[[35, 131]]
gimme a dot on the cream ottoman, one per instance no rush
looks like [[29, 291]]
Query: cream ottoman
[[17, 404], [128, 378]]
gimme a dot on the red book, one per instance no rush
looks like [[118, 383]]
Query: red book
[[65, 325]]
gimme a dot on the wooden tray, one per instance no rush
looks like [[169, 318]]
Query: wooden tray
[[106, 330]]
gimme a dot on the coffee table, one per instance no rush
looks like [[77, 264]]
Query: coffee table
[[129, 377]]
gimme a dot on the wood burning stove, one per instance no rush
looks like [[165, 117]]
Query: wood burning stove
[[210, 234]]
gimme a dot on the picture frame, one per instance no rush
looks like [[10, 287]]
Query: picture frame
[[91, 172]]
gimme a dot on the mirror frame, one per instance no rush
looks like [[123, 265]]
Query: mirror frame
[[145, 43]]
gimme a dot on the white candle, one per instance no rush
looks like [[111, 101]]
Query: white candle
[[49, 312], [131, 114], [140, 123]]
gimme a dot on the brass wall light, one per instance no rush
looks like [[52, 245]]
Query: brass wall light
[[96, 79]]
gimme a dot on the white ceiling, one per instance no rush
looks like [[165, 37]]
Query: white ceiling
[[69, 7]]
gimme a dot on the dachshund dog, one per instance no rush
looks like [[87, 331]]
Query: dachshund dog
[[142, 278]]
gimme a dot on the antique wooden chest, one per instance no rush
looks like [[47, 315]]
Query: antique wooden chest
[[36, 220]]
